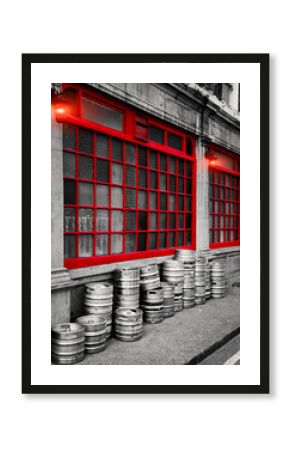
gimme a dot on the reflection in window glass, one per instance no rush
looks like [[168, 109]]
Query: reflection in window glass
[[117, 220], [130, 245], [102, 195], [117, 197], [69, 219], [102, 114], [69, 246], [102, 220], [85, 245], [86, 196], [117, 243], [102, 244], [142, 199], [117, 173], [86, 221]]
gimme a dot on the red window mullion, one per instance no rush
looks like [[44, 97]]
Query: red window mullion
[[124, 195], [110, 199], [77, 194]]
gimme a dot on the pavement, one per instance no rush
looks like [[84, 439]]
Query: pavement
[[186, 338], [227, 354]]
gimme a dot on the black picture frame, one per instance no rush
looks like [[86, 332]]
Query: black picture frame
[[263, 61]]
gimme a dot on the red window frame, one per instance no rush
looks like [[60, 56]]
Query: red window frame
[[224, 200], [128, 135]]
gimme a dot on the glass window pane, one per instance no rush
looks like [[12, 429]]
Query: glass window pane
[[102, 220], [131, 153], [172, 220], [130, 242], [102, 195], [130, 220], [162, 240], [172, 202], [130, 198], [152, 241], [181, 167], [181, 202], [153, 221], [142, 220], [188, 238], [142, 156], [102, 170], [171, 239], [163, 201], [189, 171], [69, 219], [86, 141], [163, 165], [188, 186], [69, 137], [210, 206], [181, 184], [69, 164], [162, 220], [69, 192], [142, 199], [210, 175], [188, 220], [102, 244], [117, 173], [142, 178], [117, 150], [174, 141], [156, 134], [117, 197], [172, 183], [117, 221], [180, 221], [180, 238], [153, 160], [153, 200], [162, 182], [86, 245], [102, 145], [86, 196], [86, 167], [142, 241], [116, 243], [102, 114], [69, 246], [86, 219], [153, 180], [130, 176], [172, 165]]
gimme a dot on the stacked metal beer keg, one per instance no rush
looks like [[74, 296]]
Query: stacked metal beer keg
[[188, 258], [151, 294], [206, 254], [127, 288], [95, 333], [98, 301], [173, 272], [218, 280], [200, 282], [67, 343], [128, 324], [149, 277], [168, 299]]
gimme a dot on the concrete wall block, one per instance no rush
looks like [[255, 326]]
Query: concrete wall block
[[60, 306]]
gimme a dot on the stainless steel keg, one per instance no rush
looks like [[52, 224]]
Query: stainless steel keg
[[128, 324], [67, 343]]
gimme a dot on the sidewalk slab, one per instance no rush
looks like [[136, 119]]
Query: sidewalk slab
[[178, 339]]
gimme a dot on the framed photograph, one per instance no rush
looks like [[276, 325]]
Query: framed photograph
[[145, 250]]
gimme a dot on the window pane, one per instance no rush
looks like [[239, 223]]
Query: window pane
[[162, 240], [162, 220], [102, 145], [102, 195], [69, 164], [102, 170], [69, 246], [156, 134], [181, 202], [174, 141], [180, 238], [102, 114], [152, 241], [142, 178], [142, 199], [85, 141], [117, 150], [172, 220], [189, 171], [69, 137], [86, 196], [86, 167], [102, 220], [153, 180], [130, 243], [117, 173], [102, 244], [86, 219], [130, 176], [181, 184], [180, 221], [142, 241], [117, 221], [162, 182], [153, 200], [130, 220], [142, 220], [172, 165], [86, 245], [181, 167], [131, 153], [116, 243], [171, 239], [130, 198], [153, 221], [153, 160], [117, 197], [188, 220], [172, 183], [172, 202], [188, 238], [142, 156], [69, 192], [163, 165], [163, 201], [69, 219]]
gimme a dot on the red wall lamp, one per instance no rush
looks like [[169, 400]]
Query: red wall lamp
[[59, 104]]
